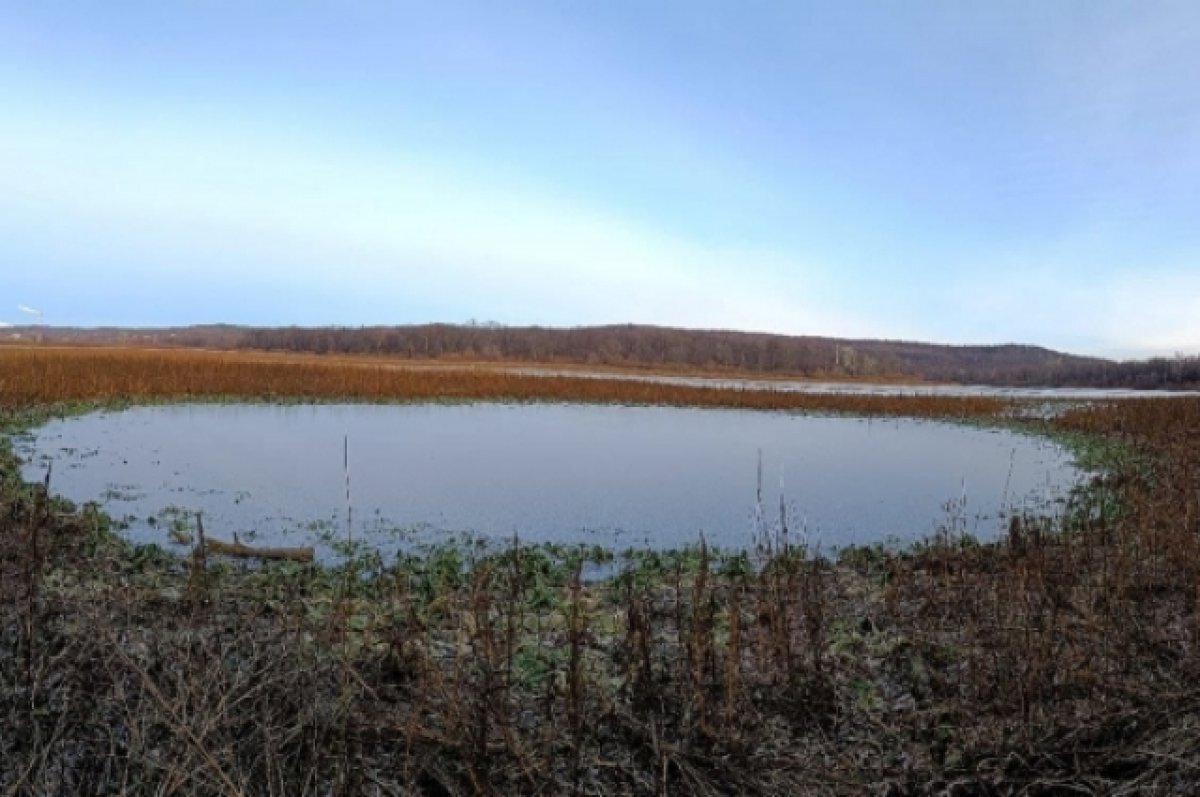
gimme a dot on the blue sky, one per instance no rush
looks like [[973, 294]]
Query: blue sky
[[947, 171]]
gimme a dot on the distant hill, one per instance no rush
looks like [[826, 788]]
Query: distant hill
[[640, 346]]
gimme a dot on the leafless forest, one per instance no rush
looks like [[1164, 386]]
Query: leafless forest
[[634, 346]]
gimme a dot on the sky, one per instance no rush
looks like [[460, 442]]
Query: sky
[[943, 171]]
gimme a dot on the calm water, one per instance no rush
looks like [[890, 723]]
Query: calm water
[[1066, 395], [570, 473]]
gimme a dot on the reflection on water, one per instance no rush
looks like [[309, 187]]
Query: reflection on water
[[619, 476]]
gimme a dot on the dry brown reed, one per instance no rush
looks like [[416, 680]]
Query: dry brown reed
[[32, 376]]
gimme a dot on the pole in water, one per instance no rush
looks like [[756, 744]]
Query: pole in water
[[349, 506]]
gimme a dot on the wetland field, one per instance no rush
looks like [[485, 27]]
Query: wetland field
[[537, 581]]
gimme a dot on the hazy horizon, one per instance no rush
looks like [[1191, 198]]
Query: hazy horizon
[[930, 171]]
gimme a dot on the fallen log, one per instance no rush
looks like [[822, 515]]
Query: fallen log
[[241, 550]]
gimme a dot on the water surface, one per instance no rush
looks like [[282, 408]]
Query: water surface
[[1065, 395], [618, 476]]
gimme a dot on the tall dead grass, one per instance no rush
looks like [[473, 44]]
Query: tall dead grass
[[32, 376]]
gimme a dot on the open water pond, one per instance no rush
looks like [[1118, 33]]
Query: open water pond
[[616, 476]]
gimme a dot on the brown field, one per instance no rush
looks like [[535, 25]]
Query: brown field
[[35, 375], [462, 361], [1064, 659]]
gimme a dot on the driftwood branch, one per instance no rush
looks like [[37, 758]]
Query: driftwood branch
[[244, 551]]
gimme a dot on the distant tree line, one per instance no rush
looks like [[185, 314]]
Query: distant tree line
[[649, 346], [664, 347], [609, 345]]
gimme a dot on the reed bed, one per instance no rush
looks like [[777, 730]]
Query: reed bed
[[1064, 659], [41, 376]]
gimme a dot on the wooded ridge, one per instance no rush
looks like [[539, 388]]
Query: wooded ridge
[[653, 347]]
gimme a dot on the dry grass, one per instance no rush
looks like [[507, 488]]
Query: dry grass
[[1063, 660], [30, 376]]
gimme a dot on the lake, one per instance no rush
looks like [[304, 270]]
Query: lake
[[612, 475]]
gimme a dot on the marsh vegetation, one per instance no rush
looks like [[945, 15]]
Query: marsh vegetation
[[1062, 657]]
